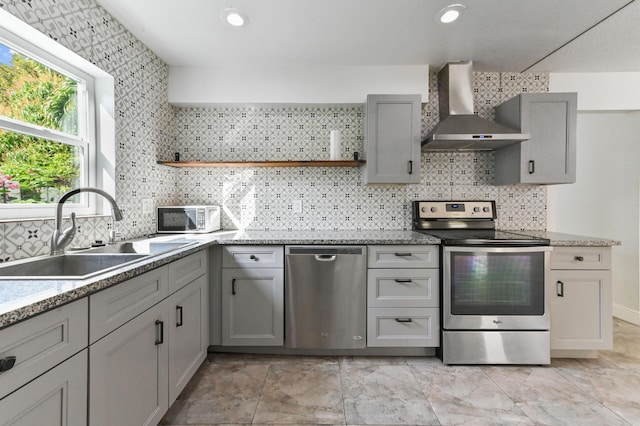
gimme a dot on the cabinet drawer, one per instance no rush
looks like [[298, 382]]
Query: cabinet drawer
[[111, 308], [403, 327], [42, 342], [252, 256], [185, 270], [581, 258], [398, 288], [418, 256]]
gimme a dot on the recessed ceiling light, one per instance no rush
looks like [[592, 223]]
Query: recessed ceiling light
[[450, 13], [234, 17]]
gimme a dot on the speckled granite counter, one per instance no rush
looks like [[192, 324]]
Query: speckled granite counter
[[569, 240], [20, 300], [324, 237]]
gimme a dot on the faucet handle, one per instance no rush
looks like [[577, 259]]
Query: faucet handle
[[71, 229]]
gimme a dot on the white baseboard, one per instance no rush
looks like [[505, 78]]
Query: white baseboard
[[626, 314]]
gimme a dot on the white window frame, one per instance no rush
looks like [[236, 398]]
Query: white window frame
[[96, 128]]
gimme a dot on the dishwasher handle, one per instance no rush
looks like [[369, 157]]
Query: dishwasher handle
[[326, 257]]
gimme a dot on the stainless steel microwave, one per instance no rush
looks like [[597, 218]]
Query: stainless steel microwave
[[188, 219]]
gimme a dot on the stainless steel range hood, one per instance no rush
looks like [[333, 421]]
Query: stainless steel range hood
[[459, 128]]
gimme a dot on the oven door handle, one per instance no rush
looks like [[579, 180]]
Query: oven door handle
[[560, 288]]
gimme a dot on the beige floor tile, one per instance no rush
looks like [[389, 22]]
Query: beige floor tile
[[239, 389], [384, 394], [464, 395], [301, 394], [224, 393], [616, 388], [546, 397]]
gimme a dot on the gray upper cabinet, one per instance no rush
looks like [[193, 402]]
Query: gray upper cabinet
[[392, 138], [549, 157]]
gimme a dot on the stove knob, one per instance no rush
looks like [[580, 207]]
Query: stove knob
[[476, 209], [486, 209], [424, 209], [433, 209]]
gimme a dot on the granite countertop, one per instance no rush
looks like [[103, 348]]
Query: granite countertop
[[559, 239], [21, 299]]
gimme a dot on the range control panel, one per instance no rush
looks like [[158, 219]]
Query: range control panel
[[433, 210]]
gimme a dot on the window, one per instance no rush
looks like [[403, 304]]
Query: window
[[48, 113]]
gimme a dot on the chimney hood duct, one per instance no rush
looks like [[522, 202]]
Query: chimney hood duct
[[459, 128]]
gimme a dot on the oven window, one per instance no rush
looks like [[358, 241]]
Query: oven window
[[497, 283]]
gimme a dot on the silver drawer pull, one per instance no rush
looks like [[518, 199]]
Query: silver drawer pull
[[403, 280], [404, 320], [403, 254]]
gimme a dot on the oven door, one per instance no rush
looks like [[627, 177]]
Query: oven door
[[495, 288]]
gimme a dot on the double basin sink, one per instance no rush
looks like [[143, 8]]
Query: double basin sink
[[87, 263]]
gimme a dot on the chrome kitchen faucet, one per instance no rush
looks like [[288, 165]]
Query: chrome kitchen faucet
[[62, 238]]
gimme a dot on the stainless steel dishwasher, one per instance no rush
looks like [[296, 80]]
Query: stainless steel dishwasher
[[326, 297]]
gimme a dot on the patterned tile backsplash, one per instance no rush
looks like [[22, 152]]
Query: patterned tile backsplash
[[149, 129], [335, 198]]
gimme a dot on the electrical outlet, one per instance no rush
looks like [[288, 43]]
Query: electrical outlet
[[147, 206], [297, 206]]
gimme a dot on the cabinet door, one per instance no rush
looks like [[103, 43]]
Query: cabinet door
[[252, 307], [57, 398], [580, 305], [392, 138], [549, 156], [188, 334], [128, 375]]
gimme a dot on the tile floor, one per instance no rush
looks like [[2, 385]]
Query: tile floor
[[251, 389]]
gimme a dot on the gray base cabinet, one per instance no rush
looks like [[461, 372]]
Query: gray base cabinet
[[57, 398], [252, 296], [403, 297], [392, 138], [138, 370], [580, 299], [549, 156]]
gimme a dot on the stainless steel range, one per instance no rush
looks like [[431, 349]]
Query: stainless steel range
[[493, 285]]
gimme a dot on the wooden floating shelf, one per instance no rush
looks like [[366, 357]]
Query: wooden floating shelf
[[314, 163]]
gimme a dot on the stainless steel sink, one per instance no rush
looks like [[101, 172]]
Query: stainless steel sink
[[142, 247], [84, 264], [66, 266]]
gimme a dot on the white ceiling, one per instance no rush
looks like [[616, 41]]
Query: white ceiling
[[498, 35]]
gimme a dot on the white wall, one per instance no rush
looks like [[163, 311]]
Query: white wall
[[605, 200], [326, 84]]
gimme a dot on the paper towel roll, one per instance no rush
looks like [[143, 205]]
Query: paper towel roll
[[335, 148]]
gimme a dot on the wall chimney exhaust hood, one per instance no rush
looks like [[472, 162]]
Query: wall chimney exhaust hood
[[459, 128]]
